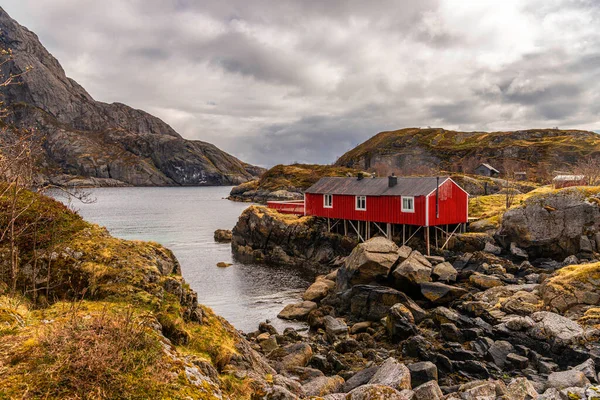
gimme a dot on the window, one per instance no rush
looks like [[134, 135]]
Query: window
[[327, 201], [408, 204], [361, 203]]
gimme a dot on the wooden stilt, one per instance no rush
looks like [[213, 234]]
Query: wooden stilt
[[427, 241], [345, 228], [403, 235], [328, 225], [389, 231]]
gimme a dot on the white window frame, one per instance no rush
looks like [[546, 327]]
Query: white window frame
[[356, 199], [325, 197], [408, 210]]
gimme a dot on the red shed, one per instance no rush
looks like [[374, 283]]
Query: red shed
[[407, 201]]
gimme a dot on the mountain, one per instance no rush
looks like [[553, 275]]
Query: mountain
[[538, 152], [108, 143]]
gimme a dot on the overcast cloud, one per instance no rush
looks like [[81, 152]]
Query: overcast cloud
[[282, 81]]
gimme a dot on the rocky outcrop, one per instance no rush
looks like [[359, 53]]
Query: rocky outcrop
[[574, 288], [81, 138], [556, 224], [264, 235]]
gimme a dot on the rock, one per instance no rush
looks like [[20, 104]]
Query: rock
[[268, 345], [571, 260], [292, 356], [551, 394], [222, 264], [534, 227], [422, 372], [589, 369], [297, 311], [553, 327], [485, 281], [498, 352], [369, 262], [492, 248], [335, 328], [360, 378], [392, 373], [223, 236], [518, 252], [567, 379], [478, 390], [323, 385], [370, 302], [445, 272], [400, 323], [521, 389], [318, 290], [375, 392], [451, 333], [360, 327], [439, 293], [521, 303], [428, 391], [585, 244], [519, 323], [413, 270], [572, 286], [517, 361]]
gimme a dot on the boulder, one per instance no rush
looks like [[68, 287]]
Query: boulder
[[567, 379], [223, 236], [414, 270], [572, 286], [375, 392], [516, 361], [492, 248], [439, 293], [400, 323], [362, 377], [291, 356], [318, 290], [444, 272], [499, 351], [369, 262], [485, 281], [555, 328], [360, 327], [588, 367], [478, 390], [422, 372], [585, 244], [371, 302], [518, 252], [393, 374], [428, 391], [335, 328], [323, 385], [297, 310], [521, 389]]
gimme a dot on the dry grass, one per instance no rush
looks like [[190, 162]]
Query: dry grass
[[299, 176]]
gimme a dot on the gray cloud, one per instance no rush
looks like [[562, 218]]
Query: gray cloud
[[306, 81]]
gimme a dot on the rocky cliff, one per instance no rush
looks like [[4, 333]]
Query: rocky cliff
[[81, 137], [535, 151]]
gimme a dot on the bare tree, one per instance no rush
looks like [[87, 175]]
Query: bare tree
[[589, 167], [509, 169]]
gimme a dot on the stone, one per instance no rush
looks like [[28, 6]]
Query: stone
[[567, 379], [521, 389], [372, 302], [444, 272], [572, 287], [335, 328], [492, 248], [360, 327], [451, 333], [223, 236], [518, 252], [588, 367], [551, 394], [362, 377], [375, 392], [556, 328], [413, 271], [318, 290], [517, 361], [268, 345], [585, 244], [485, 281], [369, 262], [498, 352], [422, 372], [297, 311], [519, 323], [439, 293], [323, 385], [428, 391], [393, 374], [478, 390], [571, 260], [400, 323], [296, 355]]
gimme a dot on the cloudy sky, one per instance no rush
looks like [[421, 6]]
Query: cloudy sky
[[306, 80]]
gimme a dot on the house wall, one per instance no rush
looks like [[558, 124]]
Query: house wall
[[381, 209], [453, 205]]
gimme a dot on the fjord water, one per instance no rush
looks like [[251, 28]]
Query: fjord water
[[184, 220]]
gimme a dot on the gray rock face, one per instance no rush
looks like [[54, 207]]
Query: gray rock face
[[551, 225], [81, 137], [567, 379], [555, 328], [393, 374]]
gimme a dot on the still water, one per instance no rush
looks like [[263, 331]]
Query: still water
[[184, 220]]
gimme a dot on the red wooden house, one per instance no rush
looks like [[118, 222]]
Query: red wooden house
[[385, 205]]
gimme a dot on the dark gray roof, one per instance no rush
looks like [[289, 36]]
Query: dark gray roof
[[488, 166], [410, 186]]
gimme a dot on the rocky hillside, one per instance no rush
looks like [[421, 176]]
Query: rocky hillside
[[92, 316], [286, 182], [536, 151], [110, 143]]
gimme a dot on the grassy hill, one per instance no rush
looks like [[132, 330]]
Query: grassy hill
[[537, 151]]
